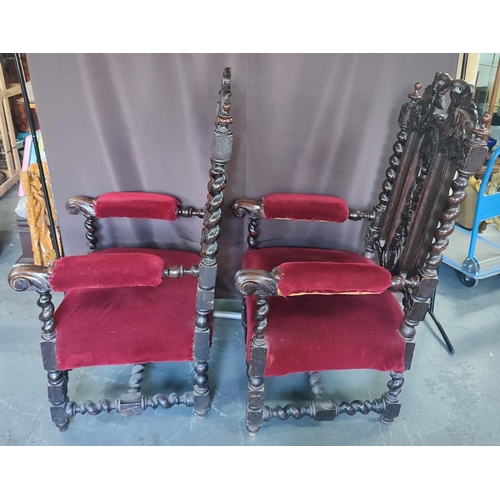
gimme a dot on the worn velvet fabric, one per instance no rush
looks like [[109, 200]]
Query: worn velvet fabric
[[299, 278], [136, 205], [326, 332], [129, 325], [312, 207], [331, 332], [271, 257], [97, 270]]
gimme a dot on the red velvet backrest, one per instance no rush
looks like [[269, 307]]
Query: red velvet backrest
[[108, 270], [311, 207], [136, 205], [330, 278]]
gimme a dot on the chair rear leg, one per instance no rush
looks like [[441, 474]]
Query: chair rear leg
[[315, 382], [391, 398], [132, 402]]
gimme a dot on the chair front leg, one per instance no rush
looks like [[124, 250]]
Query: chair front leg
[[391, 398], [256, 367], [57, 380]]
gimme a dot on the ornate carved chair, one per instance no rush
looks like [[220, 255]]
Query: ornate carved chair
[[133, 305], [311, 310]]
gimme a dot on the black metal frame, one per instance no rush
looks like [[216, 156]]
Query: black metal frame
[[52, 225]]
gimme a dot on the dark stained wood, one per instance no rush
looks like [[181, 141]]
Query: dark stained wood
[[133, 402], [436, 151]]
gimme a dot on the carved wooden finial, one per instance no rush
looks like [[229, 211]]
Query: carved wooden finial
[[482, 131], [415, 95]]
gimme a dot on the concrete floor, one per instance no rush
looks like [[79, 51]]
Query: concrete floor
[[447, 399]]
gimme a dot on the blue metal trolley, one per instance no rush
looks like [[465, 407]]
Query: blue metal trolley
[[483, 257]]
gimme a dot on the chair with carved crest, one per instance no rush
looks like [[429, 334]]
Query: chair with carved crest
[[133, 306], [308, 310]]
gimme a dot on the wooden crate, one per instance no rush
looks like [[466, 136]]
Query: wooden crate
[[8, 133]]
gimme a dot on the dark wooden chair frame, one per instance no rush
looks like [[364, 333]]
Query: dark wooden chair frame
[[31, 277], [407, 234]]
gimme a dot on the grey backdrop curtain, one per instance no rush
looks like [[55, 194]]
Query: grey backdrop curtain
[[310, 123]]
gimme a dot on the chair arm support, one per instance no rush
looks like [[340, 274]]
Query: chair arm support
[[332, 278], [106, 270], [315, 278], [189, 212], [399, 283], [294, 206], [30, 277], [136, 205], [176, 272], [360, 215]]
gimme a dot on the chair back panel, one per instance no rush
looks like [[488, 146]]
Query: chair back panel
[[436, 145]]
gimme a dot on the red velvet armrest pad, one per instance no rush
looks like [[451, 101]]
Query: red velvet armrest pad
[[137, 206], [312, 207], [329, 278], [106, 271]]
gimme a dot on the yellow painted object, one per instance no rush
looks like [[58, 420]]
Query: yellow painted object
[[38, 220], [468, 208]]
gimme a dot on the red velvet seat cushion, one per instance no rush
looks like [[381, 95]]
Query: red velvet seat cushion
[[298, 206], [129, 325], [330, 332], [136, 205]]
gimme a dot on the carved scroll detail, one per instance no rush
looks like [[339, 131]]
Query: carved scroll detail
[[30, 277], [224, 105], [86, 206], [81, 205], [257, 282], [248, 206]]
